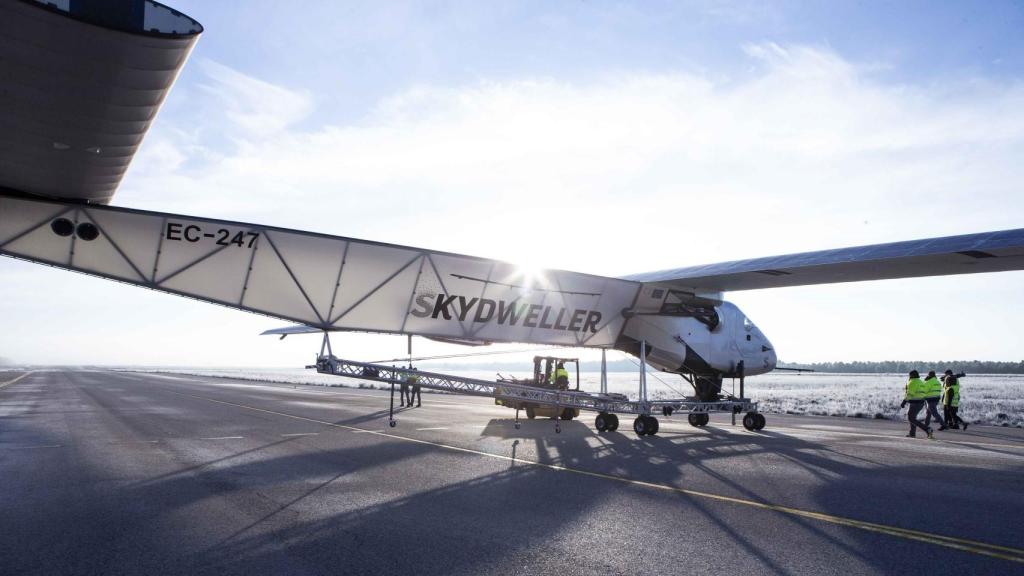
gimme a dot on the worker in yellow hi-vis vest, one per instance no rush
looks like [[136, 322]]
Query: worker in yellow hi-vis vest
[[951, 400], [414, 385], [914, 397], [933, 392]]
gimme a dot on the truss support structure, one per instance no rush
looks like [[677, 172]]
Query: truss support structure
[[597, 402]]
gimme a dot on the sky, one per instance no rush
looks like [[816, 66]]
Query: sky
[[603, 137]]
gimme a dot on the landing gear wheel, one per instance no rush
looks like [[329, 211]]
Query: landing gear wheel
[[640, 425], [750, 421], [613, 422], [530, 413], [652, 424], [760, 421], [601, 422], [698, 419], [392, 423], [558, 429], [567, 414], [704, 419], [693, 419], [517, 425]]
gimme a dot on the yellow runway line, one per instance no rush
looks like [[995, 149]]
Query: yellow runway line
[[15, 381], [973, 546]]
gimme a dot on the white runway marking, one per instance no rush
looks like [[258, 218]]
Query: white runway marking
[[134, 442], [224, 438], [34, 447], [300, 434], [437, 428]]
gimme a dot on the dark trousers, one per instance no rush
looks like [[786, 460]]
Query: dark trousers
[[933, 412], [915, 408], [953, 419], [415, 392], [403, 393]]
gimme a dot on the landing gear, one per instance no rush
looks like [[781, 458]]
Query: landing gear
[[697, 419], [707, 389], [645, 425], [754, 421]]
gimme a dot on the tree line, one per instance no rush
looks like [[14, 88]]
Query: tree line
[[900, 366]]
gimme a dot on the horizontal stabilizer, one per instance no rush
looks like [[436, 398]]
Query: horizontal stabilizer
[[289, 330]]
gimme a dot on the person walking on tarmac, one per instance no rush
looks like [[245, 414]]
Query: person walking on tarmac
[[414, 384], [933, 389], [951, 400], [915, 398]]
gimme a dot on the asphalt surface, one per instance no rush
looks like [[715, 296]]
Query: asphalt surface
[[129, 473]]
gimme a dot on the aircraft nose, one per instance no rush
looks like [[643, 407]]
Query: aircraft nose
[[770, 356]]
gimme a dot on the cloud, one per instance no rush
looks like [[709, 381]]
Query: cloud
[[807, 141], [256, 107], [638, 171]]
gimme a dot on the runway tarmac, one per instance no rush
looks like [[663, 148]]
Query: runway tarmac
[[130, 473]]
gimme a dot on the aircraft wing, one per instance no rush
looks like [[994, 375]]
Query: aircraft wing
[[324, 282], [80, 84], [966, 254]]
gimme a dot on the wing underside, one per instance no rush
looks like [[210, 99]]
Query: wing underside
[[968, 254], [326, 282]]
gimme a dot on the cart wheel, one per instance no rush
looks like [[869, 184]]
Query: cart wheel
[[530, 413], [567, 414], [601, 422], [693, 419], [652, 425], [640, 425], [760, 421], [393, 423], [750, 421], [613, 422], [704, 419]]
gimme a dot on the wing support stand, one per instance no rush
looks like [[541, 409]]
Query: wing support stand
[[391, 409], [645, 424], [604, 371]]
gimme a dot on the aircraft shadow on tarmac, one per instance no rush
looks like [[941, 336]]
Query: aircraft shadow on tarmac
[[520, 518]]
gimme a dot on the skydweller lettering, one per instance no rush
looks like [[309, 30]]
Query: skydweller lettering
[[484, 310], [509, 313], [531, 317], [465, 307]]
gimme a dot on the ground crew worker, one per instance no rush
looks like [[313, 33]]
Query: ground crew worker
[[951, 400], [933, 391], [915, 398], [414, 381], [403, 392], [561, 376]]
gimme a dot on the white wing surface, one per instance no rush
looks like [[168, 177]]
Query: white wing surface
[[967, 254], [322, 281]]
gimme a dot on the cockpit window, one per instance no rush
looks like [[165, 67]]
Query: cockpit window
[[747, 324], [684, 304]]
